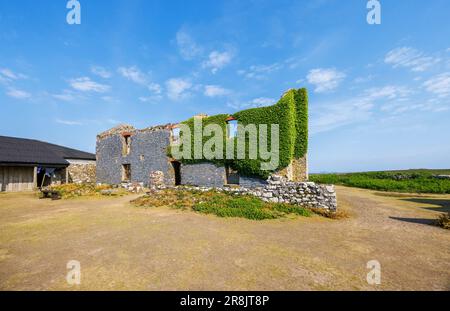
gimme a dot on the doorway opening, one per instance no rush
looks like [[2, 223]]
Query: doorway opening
[[232, 176], [126, 173], [177, 172]]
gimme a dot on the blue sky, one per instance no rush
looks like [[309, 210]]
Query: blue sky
[[379, 94]]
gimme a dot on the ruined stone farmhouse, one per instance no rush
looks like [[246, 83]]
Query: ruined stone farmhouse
[[127, 154]]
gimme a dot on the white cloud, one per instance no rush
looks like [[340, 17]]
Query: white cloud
[[325, 79], [331, 116], [439, 85], [187, 46], [64, 96], [217, 60], [388, 92], [215, 90], [254, 103], [135, 75], [262, 101], [150, 99], [391, 99], [68, 122], [260, 71], [85, 84], [178, 88], [18, 94], [410, 58], [101, 72], [8, 74]]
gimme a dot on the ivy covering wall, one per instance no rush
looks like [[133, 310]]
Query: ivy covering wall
[[290, 113]]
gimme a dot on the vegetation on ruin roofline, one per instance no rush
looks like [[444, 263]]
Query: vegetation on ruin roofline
[[290, 113]]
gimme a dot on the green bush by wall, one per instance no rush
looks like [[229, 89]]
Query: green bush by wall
[[290, 113]]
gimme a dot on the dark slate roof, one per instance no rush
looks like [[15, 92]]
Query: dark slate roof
[[29, 151]]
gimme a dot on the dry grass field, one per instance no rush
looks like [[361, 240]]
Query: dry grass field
[[123, 247]]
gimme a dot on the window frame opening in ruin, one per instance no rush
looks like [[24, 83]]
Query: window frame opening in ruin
[[232, 176], [126, 172], [126, 141], [232, 128], [176, 165], [175, 135]]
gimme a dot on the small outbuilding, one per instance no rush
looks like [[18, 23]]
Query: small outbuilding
[[27, 164]]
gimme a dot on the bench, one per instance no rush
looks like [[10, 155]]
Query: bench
[[54, 195]]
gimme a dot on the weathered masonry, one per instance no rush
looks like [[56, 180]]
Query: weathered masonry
[[129, 155], [27, 164]]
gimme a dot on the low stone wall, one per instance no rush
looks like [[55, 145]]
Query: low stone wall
[[307, 194], [279, 190]]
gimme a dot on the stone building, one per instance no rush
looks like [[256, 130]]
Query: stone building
[[127, 154]]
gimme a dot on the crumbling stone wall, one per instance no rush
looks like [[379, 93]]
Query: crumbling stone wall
[[148, 153], [80, 173], [296, 171], [307, 194], [203, 174]]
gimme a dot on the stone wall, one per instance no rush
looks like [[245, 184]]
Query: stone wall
[[203, 174], [296, 171], [80, 173], [307, 194], [148, 153], [279, 190]]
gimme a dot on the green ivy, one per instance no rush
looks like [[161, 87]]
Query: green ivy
[[290, 113]]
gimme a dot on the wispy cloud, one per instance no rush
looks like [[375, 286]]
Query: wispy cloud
[[410, 58], [187, 47], [390, 99], [135, 75], [217, 60], [68, 122], [178, 88], [254, 103], [215, 91], [101, 72], [8, 74], [260, 72], [439, 85], [150, 99], [17, 94], [85, 84], [325, 79]]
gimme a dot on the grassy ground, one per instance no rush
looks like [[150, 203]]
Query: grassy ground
[[124, 247], [221, 204], [412, 181]]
